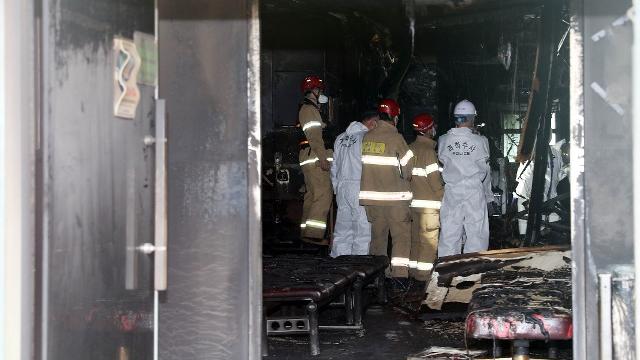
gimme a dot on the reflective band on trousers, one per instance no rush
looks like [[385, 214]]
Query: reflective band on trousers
[[303, 225], [387, 160], [316, 224], [311, 161], [385, 196], [421, 266], [425, 204], [426, 171], [311, 124], [398, 261]]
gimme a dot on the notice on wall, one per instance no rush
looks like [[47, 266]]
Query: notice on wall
[[126, 94], [148, 50]]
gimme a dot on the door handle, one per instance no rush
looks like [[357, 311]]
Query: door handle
[[160, 207], [149, 248], [606, 327]]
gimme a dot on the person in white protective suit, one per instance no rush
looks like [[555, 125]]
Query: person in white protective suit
[[352, 232], [464, 155], [556, 171]]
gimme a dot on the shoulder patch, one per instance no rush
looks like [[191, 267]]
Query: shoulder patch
[[372, 147]]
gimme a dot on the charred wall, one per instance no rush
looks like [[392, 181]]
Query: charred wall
[[294, 47], [356, 46], [426, 57]]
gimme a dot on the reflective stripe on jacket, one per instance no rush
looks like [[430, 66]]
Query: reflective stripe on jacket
[[311, 124], [387, 163], [426, 182]]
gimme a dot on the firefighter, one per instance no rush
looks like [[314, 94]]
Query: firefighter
[[352, 233], [427, 189], [314, 161], [385, 192], [464, 155]]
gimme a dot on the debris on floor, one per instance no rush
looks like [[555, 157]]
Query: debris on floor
[[389, 334], [519, 298], [447, 332], [447, 353]]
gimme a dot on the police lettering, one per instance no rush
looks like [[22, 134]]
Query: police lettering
[[466, 149], [348, 141]]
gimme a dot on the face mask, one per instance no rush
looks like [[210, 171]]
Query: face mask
[[323, 99]]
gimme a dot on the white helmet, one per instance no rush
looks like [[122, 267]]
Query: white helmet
[[463, 108]]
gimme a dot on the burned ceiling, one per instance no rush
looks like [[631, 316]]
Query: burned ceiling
[[427, 54], [427, 13]]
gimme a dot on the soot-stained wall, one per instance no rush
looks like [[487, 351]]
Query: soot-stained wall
[[96, 185], [213, 291]]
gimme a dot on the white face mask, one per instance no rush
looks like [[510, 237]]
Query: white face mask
[[323, 99]]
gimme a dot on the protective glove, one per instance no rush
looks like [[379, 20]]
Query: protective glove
[[325, 165]]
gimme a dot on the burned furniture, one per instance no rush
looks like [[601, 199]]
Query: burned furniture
[[371, 273], [516, 295], [300, 286], [522, 305]]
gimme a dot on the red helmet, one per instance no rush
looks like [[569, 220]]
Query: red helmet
[[423, 122], [389, 107], [311, 82]]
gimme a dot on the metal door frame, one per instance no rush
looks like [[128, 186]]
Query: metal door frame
[[254, 183], [578, 203], [18, 139], [636, 166], [177, 25], [588, 342]]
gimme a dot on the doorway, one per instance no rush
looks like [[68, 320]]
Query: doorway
[[225, 127], [427, 56]]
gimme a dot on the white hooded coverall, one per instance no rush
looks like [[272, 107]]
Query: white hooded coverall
[[464, 156], [352, 233], [555, 173]]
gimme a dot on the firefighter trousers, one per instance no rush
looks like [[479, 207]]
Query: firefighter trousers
[[424, 242], [317, 198], [397, 220]]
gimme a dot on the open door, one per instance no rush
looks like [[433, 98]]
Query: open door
[[95, 180]]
